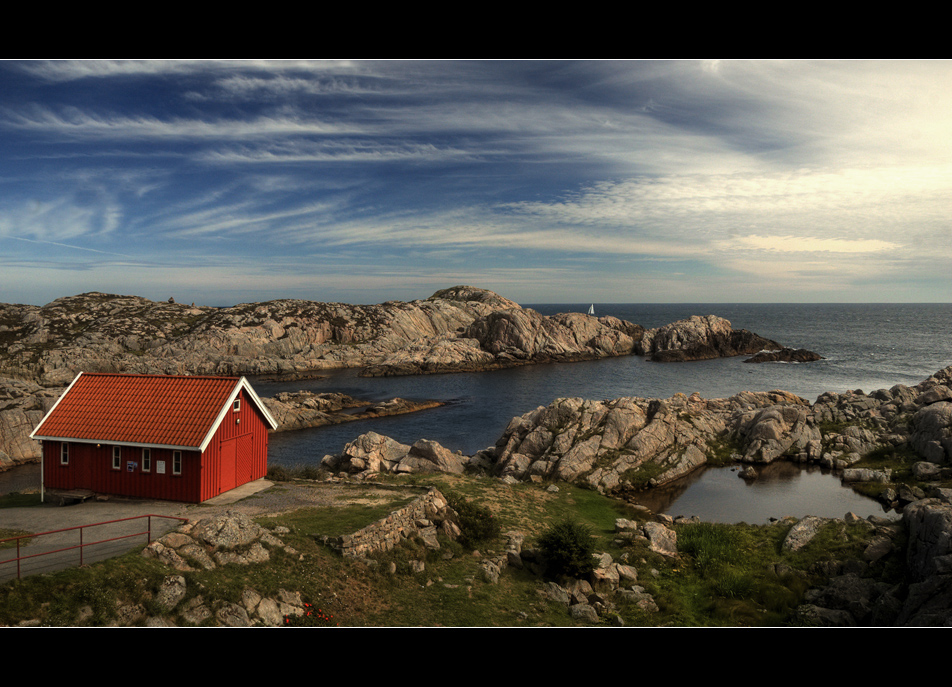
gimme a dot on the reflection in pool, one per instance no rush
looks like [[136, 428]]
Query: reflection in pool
[[780, 489]]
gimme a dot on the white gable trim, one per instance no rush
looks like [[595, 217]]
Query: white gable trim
[[227, 407], [33, 434]]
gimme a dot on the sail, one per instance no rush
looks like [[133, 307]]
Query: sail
[[591, 309]]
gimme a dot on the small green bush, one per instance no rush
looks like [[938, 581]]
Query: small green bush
[[566, 549], [476, 523], [278, 473]]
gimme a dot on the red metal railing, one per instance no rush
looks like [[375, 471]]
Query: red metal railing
[[82, 545]]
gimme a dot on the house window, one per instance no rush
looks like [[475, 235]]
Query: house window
[[64, 454], [146, 460], [176, 462], [237, 405], [116, 457]]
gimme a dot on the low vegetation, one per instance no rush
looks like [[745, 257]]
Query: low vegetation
[[567, 550], [725, 575]]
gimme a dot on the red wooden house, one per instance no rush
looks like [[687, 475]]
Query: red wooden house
[[177, 438]]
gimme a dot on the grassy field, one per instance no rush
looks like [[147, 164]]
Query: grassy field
[[725, 575]]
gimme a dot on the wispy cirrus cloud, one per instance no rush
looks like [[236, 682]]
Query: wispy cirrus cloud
[[78, 124], [665, 176], [811, 244]]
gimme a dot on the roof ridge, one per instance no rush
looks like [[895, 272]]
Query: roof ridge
[[159, 374]]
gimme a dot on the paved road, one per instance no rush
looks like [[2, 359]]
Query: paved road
[[54, 518]]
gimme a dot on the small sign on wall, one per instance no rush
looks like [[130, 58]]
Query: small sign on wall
[[160, 467], [132, 465]]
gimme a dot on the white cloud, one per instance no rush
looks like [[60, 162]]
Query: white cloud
[[809, 244]]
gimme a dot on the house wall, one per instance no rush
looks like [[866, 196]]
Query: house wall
[[90, 467]]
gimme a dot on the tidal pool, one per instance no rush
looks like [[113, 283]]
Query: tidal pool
[[780, 489]]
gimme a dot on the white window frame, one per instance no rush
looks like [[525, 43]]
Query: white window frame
[[64, 453], [236, 406], [176, 462], [117, 458], [146, 460]]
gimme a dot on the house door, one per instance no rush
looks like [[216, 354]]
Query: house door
[[90, 463], [229, 465]]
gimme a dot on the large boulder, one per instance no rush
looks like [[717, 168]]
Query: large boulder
[[769, 433], [373, 453], [429, 456], [369, 452], [931, 434]]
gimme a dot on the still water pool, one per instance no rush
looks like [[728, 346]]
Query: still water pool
[[780, 489]]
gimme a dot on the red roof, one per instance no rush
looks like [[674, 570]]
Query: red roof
[[155, 410]]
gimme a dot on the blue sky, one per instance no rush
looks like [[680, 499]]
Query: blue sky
[[545, 181]]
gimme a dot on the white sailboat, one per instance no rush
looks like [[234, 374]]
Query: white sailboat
[[591, 309]]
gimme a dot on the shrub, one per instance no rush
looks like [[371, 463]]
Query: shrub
[[566, 549], [278, 473], [476, 523]]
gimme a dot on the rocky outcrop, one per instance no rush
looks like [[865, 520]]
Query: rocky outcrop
[[632, 443], [212, 542], [229, 539], [855, 591], [22, 405], [109, 333], [785, 355], [372, 453], [514, 336], [304, 409], [700, 338], [628, 444]]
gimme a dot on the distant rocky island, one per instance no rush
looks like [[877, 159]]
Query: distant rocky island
[[457, 329], [463, 328]]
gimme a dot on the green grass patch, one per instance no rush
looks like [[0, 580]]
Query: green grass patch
[[338, 520], [17, 500], [89, 596], [899, 460], [721, 451], [640, 477], [726, 576], [10, 534]]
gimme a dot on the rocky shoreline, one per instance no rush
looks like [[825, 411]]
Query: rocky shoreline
[[623, 446]]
